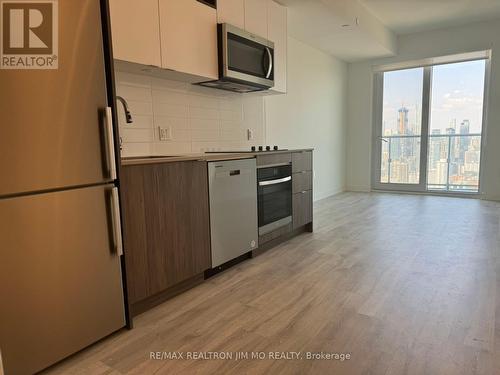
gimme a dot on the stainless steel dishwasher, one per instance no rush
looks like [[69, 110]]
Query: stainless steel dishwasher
[[233, 208]]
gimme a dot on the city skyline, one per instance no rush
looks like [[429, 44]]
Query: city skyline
[[453, 158], [450, 98]]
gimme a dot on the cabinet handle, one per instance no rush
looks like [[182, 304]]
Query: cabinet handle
[[117, 226], [304, 191]]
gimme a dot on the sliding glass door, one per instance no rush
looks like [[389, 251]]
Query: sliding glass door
[[456, 127], [428, 128], [400, 137]]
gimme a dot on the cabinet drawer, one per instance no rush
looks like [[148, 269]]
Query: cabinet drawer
[[302, 209], [302, 161], [272, 159], [302, 181], [275, 234]]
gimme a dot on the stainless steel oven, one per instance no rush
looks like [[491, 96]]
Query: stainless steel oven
[[274, 197], [246, 61]]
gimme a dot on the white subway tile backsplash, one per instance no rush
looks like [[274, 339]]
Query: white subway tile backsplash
[[139, 108], [137, 149], [205, 134], [203, 124], [199, 119], [132, 79], [181, 135], [236, 116], [170, 110], [140, 121], [135, 93], [136, 135], [203, 101], [170, 97], [168, 85], [172, 122], [171, 148], [203, 113]]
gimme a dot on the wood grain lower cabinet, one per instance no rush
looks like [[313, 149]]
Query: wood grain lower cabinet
[[166, 225], [302, 208], [301, 161]]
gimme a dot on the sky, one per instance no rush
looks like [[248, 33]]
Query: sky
[[457, 93]]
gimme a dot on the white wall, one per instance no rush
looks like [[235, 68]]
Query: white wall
[[474, 37], [312, 114]]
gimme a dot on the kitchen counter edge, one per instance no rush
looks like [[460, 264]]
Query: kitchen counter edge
[[203, 157]]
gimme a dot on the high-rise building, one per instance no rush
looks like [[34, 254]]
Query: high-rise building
[[465, 127], [451, 131], [403, 120], [453, 125], [464, 142]]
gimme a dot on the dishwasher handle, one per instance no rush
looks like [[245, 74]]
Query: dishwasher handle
[[274, 182]]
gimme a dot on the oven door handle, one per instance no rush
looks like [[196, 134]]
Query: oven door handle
[[274, 182]]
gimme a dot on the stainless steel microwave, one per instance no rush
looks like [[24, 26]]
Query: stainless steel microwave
[[246, 61]]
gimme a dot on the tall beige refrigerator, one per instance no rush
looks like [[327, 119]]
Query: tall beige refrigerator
[[60, 237]]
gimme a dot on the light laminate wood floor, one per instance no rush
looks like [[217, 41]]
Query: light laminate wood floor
[[404, 284]]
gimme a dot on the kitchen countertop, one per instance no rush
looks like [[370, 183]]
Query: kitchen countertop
[[138, 160]]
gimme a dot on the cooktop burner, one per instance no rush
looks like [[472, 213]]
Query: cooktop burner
[[253, 149]]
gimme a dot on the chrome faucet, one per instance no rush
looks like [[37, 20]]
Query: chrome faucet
[[128, 115]]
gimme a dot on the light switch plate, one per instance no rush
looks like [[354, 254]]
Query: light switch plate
[[165, 134], [249, 134]]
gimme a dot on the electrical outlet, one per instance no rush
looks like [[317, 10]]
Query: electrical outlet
[[249, 134], [165, 134]]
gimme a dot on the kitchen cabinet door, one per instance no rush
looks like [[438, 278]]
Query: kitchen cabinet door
[[277, 33], [302, 208], [166, 225], [232, 12], [256, 17], [136, 31], [188, 34]]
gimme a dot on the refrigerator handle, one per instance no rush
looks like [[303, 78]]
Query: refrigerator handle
[[116, 221], [110, 145]]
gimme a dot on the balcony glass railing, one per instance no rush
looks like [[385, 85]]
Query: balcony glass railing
[[453, 161]]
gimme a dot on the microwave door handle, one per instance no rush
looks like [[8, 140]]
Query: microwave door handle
[[270, 69], [274, 182]]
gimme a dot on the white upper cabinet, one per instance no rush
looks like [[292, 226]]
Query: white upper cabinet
[[181, 35], [256, 17], [188, 32], [232, 12], [136, 31], [277, 33]]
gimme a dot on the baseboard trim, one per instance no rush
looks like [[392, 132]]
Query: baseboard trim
[[331, 193], [359, 189]]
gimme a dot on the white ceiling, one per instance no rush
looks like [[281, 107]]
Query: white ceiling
[[409, 16], [331, 26], [319, 22]]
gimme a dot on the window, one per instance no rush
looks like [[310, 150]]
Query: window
[[429, 127], [456, 126]]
